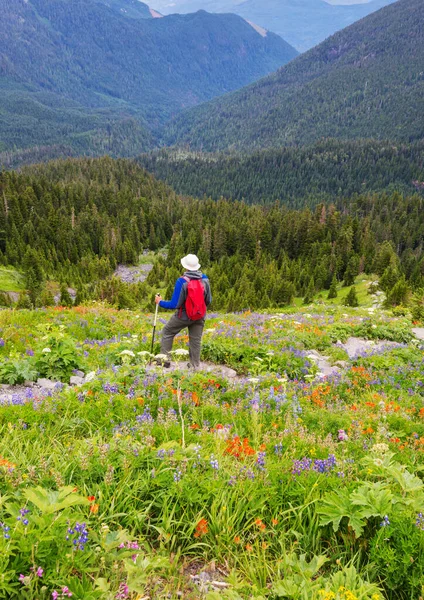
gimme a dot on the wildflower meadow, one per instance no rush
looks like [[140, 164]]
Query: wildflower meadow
[[301, 477]]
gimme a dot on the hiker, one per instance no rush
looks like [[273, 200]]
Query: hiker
[[191, 297]]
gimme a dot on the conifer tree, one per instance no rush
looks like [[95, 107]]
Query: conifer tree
[[310, 293], [399, 293], [65, 297], [352, 298], [332, 292]]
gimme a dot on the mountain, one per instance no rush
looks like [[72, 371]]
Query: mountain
[[365, 81], [100, 75], [323, 172], [133, 9], [303, 23]]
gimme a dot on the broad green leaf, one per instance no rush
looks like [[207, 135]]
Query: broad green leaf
[[51, 501], [375, 499]]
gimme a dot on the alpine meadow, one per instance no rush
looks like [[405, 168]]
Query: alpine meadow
[[212, 300]]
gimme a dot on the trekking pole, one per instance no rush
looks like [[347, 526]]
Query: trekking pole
[[154, 326]]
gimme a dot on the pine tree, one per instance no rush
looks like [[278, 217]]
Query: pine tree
[[310, 293], [65, 297], [351, 272], [332, 292], [398, 294], [352, 298]]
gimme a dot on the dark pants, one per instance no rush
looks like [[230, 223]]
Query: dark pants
[[195, 332]]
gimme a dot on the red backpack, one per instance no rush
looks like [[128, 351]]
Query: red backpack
[[195, 303]]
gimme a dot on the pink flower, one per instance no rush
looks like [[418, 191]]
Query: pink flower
[[66, 592], [21, 578], [55, 595], [39, 572]]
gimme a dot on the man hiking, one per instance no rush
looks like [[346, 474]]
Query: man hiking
[[191, 296]]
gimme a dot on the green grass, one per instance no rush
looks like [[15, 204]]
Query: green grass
[[361, 285], [11, 280]]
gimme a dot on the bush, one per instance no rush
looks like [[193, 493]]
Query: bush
[[398, 551], [58, 358]]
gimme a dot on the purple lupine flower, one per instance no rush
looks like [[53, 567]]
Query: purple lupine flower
[[278, 449], [214, 463], [385, 522], [260, 461]]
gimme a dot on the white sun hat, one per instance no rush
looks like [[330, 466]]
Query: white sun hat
[[190, 262]]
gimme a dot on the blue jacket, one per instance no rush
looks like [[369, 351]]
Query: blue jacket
[[179, 295]]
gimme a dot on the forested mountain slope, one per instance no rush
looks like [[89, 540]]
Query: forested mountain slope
[[365, 81], [75, 220], [303, 23], [303, 176], [93, 75]]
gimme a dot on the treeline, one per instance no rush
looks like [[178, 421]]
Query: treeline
[[298, 176], [75, 220]]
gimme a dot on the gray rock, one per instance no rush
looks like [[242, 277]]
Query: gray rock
[[418, 332], [75, 380], [227, 372], [90, 377], [343, 364], [47, 384], [79, 373]]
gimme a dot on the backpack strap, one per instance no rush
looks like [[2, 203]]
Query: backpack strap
[[180, 311]]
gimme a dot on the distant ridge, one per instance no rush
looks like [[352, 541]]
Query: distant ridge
[[302, 23], [99, 76], [365, 81]]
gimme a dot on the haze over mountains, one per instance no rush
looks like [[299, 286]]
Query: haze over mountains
[[366, 81], [100, 75], [302, 23]]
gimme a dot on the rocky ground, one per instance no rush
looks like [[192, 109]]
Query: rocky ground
[[133, 274]]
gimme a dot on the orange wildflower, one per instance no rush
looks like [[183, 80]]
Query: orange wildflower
[[94, 509], [274, 521], [249, 547], [201, 528], [238, 448], [260, 524], [237, 539], [6, 463]]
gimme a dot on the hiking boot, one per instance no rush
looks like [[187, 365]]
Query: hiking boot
[[162, 363]]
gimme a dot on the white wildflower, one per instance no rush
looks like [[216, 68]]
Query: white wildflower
[[46, 350], [126, 353], [161, 356], [144, 353], [180, 352]]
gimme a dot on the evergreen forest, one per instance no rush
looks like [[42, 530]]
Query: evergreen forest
[[298, 176], [73, 221]]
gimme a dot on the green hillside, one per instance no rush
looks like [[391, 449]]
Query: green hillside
[[365, 81], [302, 176], [78, 73]]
